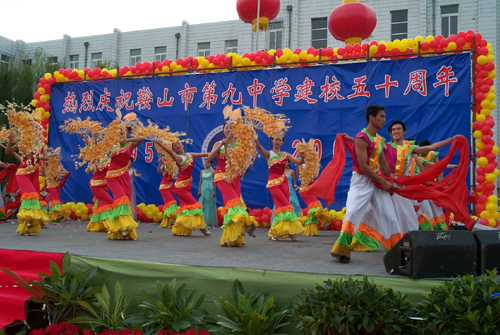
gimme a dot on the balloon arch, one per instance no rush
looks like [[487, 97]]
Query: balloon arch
[[482, 91]]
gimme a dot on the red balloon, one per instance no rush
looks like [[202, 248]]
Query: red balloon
[[51, 81], [140, 215], [444, 42], [485, 130], [486, 139], [484, 88], [479, 37], [484, 222], [479, 188], [487, 148], [381, 48], [489, 186], [480, 153], [480, 97], [73, 216], [270, 59], [452, 38], [348, 48], [488, 192], [259, 212], [480, 82], [341, 51], [488, 81], [266, 218], [489, 168], [469, 38], [433, 44], [491, 157], [480, 170], [356, 47], [338, 224], [478, 125], [267, 210], [495, 164], [423, 46], [481, 178], [482, 51], [460, 42], [482, 199]]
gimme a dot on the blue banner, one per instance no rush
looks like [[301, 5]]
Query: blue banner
[[431, 95]]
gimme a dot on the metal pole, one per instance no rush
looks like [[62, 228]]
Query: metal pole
[[473, 107], [258, 24]]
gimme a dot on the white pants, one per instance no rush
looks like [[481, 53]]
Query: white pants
[[363, 193]]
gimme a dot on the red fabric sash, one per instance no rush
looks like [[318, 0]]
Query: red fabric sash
[[451, 193], [12, 186]]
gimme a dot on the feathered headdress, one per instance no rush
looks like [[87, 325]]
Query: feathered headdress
[[310, 170]]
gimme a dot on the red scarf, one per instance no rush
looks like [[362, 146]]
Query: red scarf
[[12, 186], [451, 193]]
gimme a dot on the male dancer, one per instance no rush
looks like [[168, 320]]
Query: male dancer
[[368, 159]]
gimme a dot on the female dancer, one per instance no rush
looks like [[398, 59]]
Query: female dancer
[[132, 174], [316, 215], [30, 216], [103, 205], [292, 186], [57, 212], [236, 219], [122, 225], [190, 213], [167, 193], [206, 195], [285, 223]]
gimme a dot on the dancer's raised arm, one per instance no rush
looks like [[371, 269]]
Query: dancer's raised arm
[[172, 154]]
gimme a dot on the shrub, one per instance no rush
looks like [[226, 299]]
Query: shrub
[[62, 292], [464, 305], [352, 307], [250, 314], [173, 309], [58, 328], [108, 313]]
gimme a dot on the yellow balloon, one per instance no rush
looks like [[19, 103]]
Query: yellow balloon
[[490, 176], [272, 52], [409, 43], [419, 39], [477, 134], [480, 145], [481, 117], [452, 46], [490, 96], [496, 172], [150, 214], [389, 46], [495, 150], [310, 58], [33, 102], [47, 76], [492, 222], [69, 204], [485, 215], [60, 77], [373, 50], [247, 61], [85, 217], [159, 216], [78, 213], [490, 58], [84, 210], [429, 38], [492, 74], [303, 55], [482, 161], [46, 115], [295, 58], [485, 111], [283, 59], [481, 60], [492, 208], [41, 90], [485, 104], [492, 106], [402, 47], [496, 215]]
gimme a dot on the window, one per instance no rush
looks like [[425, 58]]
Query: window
[[319, 32], [399, 24], [204, 49], [275, 35], [74, 61], [135, 56], [449, 20], [231, 46], [160, 53], [4, 59], [96, 59], [52, 60]]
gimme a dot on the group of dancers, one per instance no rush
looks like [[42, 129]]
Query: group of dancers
[[374, 215]]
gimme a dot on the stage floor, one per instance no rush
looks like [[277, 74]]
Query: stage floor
[[309, 255]]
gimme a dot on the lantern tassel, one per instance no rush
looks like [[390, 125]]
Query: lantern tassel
[[263, 23]]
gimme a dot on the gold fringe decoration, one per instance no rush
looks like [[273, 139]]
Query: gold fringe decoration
[[242, 158], [310, 169], [273, 125]]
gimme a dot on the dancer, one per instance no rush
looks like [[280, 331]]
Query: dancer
[[103, 203], [190, 213], [53, 175], [132, 174], [206, 195], [285, 223], [367, 161], [122, 225], [236, 219], [292, 186], [167, 193], [31, 150]]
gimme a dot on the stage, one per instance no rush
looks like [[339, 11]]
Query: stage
[[280, 268]]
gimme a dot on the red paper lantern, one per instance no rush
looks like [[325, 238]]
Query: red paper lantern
[[352, 22], [247, 11]]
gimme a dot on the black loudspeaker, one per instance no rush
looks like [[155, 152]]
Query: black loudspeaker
[[488, 250], [433, 254]]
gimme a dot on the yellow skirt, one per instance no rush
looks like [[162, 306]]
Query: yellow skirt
[[311, 230], [168, 221], [356, 246], [285, 229], [34, 217], [122, 224], [179, 230], [96, 226], [191, 222], [232, 236], [60, 214]]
